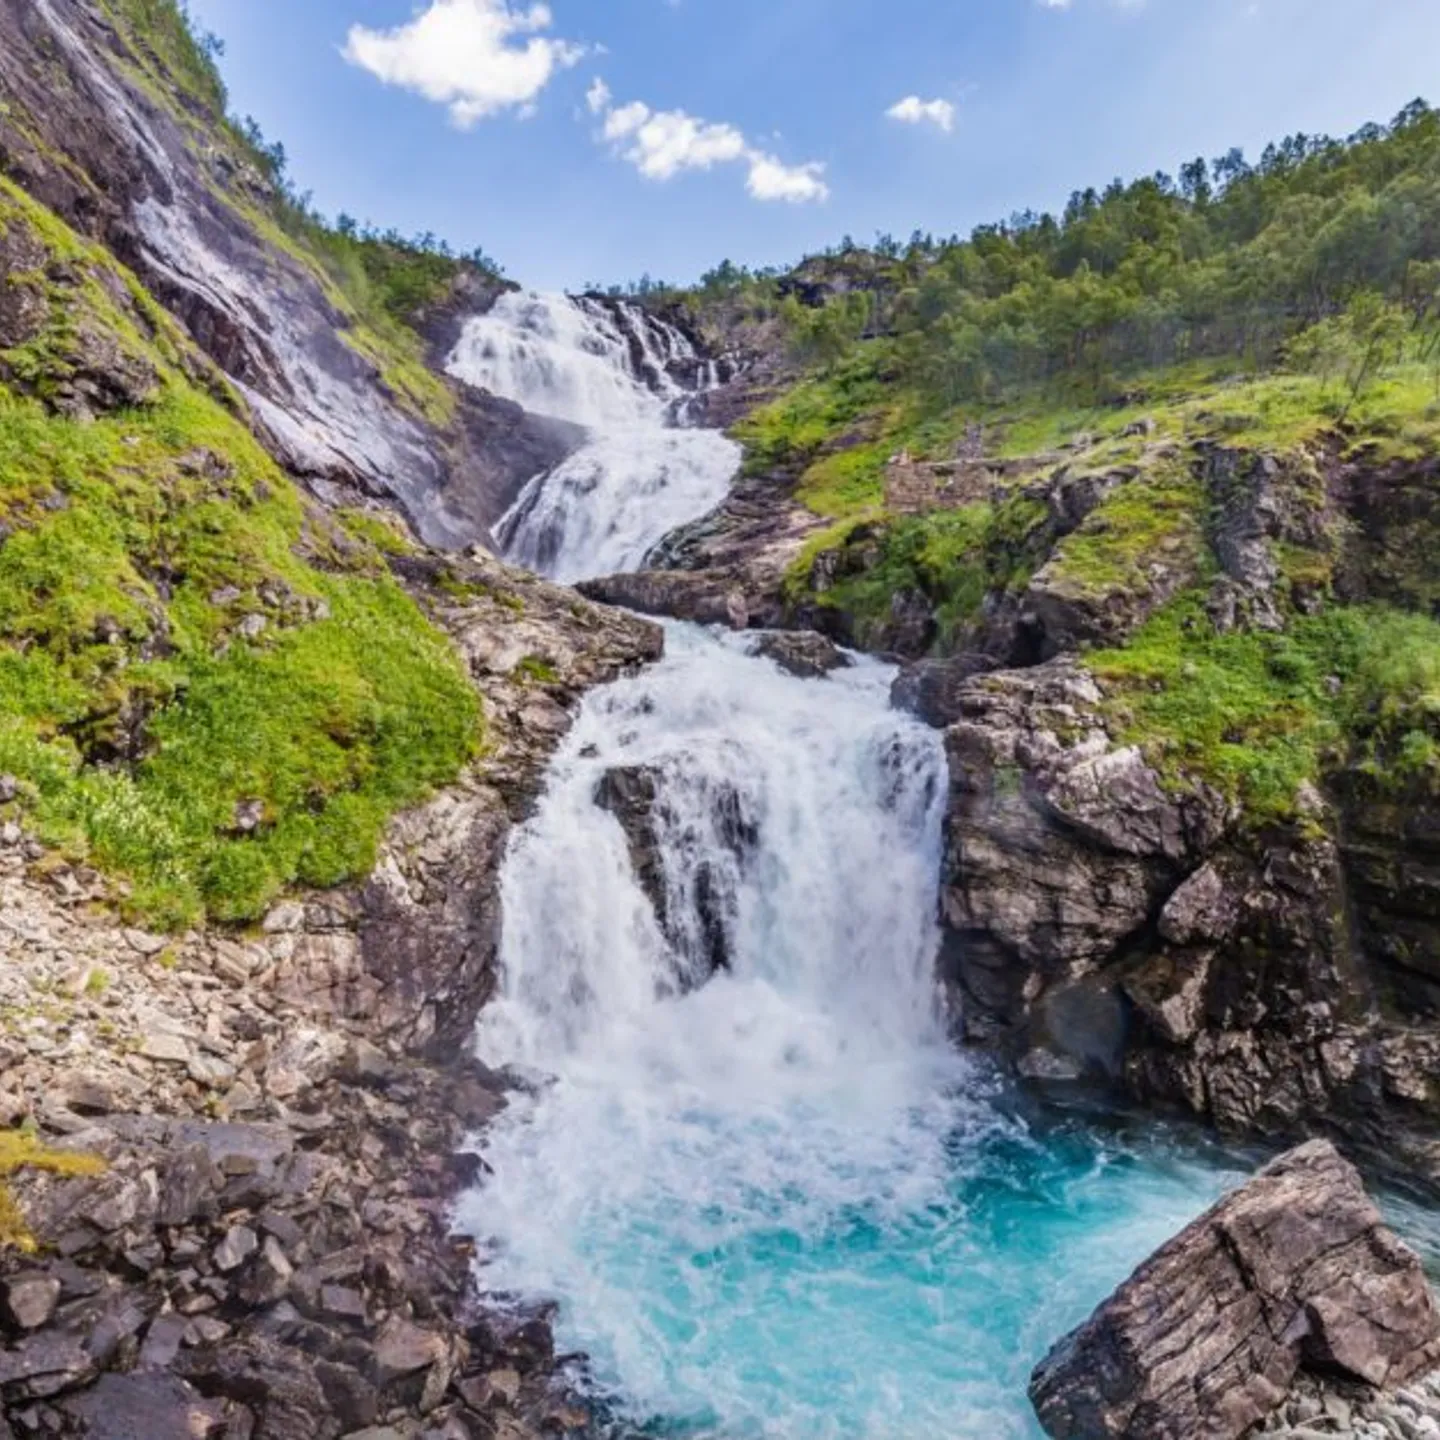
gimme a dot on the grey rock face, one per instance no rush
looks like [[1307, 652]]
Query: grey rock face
[[1295, 1270], [180, 212], [1103, 924], [704, 895]]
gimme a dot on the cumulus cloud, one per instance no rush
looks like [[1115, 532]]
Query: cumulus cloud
[[912, 110], [477, 57], [769, 179], [662, 144]]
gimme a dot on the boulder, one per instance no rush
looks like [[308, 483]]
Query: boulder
[[719, 837], [803, 654], [1294, 1271]]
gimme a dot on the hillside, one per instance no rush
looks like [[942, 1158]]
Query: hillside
[[261, 751]]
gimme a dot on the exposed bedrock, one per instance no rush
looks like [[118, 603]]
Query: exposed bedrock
[[1106, 924], [695, 904], [87, 133], [1294, 1271]]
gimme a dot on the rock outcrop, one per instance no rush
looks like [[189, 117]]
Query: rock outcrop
[[1293, 1271], [1106, 925], [706, 878], [803, 654]]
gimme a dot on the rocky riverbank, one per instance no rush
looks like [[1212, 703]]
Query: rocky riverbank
[[278, 1119]]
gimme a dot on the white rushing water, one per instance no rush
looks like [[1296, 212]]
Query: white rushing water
[[778, 1203], [630, 380]]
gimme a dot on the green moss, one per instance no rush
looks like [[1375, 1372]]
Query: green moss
[[386, 532], [849, 482], [1159, 513], [955, 558], [165, 47], [536, 670], [168, 649], [22, 1150], [816, 414], [941, 555], [1257, 714]]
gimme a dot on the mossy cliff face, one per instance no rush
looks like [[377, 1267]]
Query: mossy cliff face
[[113, 118], [207, 683]]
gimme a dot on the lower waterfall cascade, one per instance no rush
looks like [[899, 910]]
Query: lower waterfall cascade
[[631, 381], [776, 1201]]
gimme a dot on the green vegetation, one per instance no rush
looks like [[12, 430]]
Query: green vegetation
[[1289, 308], [206, 686], [536, 670], [951, 558], [1160, 513], [1258, 714], [816, 415]]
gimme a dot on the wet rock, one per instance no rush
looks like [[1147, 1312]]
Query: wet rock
[[712, 841], [700, 597], [934, 690], [803, 653], [45, 1364], [1294, 1270], [1202, 910]]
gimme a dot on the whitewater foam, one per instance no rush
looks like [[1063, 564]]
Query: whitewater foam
[[631, 380], [775, 1202]]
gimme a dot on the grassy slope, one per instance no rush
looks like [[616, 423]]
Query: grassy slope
[[1255, 714], [182, 634]]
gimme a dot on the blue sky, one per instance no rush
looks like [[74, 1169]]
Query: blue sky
[[761, 129]]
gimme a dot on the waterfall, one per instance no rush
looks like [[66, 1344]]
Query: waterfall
[[770, 1198], [631, 380]]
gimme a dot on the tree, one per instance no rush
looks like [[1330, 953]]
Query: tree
[[1353, 348]]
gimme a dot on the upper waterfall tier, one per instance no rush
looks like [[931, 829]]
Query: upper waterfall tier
[[630, 379]]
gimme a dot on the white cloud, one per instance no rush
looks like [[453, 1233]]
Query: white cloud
[[797, 184], [597, 97], [912, 110], [478, 57], [1055, 4], [662, 144]]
